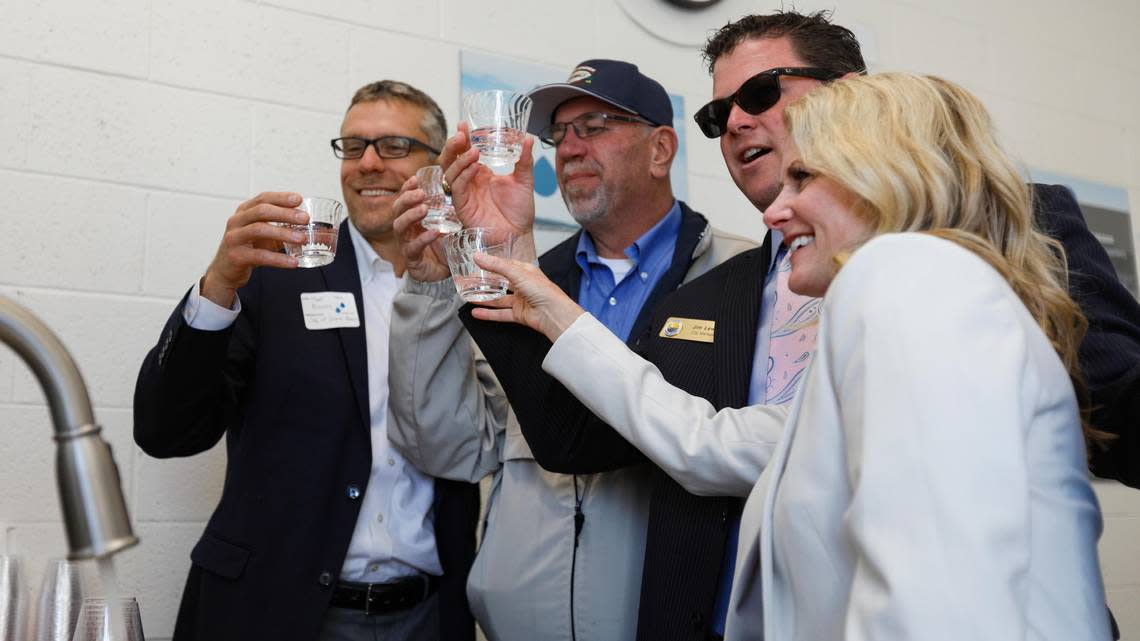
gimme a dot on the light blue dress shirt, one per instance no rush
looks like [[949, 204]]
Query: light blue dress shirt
[[617, 305]]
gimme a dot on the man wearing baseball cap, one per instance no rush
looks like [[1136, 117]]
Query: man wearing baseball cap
[[562, 553]]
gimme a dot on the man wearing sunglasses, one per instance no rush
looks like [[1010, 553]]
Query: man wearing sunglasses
[[562, 554], [323, 531]]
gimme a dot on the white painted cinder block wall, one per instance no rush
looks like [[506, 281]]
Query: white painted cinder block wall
[[130, 129]]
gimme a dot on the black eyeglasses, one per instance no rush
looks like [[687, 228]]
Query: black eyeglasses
[[755, 96], [585, 126], [386, 146]]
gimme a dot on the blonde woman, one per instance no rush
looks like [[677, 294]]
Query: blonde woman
[[931, 480]]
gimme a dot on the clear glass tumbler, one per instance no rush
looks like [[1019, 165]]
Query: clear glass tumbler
[[474, 283], [92, 623], [440, 215], [498, 122], [319, 246]]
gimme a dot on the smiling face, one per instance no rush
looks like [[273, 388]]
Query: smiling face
[[603, 173], [753, 145], [370, 183], [819, 221]]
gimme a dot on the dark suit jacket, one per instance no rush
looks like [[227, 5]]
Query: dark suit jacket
[[1110, 353], [686, 536], [293, 406]]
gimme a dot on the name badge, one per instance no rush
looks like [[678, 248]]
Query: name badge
[[329, 310], [689, 329]]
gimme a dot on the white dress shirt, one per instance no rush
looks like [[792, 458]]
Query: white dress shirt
[[395, 533]]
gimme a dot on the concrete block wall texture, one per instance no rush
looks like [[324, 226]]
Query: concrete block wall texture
[[131, 129]]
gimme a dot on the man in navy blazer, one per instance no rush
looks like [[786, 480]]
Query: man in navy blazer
[[1110, 352], [322, 531]]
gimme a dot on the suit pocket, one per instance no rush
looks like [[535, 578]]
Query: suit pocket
[[220, 557]]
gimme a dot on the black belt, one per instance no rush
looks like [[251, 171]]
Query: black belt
[[383, 598]]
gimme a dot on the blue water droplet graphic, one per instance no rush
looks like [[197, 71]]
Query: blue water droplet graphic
[[545, 182]]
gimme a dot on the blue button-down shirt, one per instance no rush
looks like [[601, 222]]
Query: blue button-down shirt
[[617, 305]]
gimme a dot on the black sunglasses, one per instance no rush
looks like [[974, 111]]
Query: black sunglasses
[[386, 146], [755, 95]]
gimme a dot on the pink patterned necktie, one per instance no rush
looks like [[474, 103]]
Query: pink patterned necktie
[[794, 324]]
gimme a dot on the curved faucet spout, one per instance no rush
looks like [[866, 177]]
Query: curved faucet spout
[[90, 493]]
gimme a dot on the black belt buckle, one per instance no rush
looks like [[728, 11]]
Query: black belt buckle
[[396, 595]]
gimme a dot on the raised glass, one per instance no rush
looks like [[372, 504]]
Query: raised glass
[[498, 121]]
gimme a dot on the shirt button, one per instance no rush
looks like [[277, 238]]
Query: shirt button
[[325, 579], [353, 492], [613, 301], [644, 276], [391, 461], [379, 518]]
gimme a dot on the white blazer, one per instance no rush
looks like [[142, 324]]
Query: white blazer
[[931, 483]]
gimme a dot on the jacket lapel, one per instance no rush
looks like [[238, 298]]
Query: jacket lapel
[[561, 266], [343, 275], [693, 227], [737, 318]]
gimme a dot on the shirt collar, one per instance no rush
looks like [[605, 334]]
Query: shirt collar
[[368, 262], [660, 236]]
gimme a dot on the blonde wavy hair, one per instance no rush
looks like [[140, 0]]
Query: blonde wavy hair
[[921, 154]]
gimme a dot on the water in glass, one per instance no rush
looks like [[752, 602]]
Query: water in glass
[[319, 248], [499, 148]]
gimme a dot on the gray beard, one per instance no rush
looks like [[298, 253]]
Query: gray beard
[[586, 210]]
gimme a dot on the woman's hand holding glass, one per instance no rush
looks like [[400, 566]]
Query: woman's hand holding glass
[[534, 301]]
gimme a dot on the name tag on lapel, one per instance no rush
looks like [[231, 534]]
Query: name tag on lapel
[[329, 310], [689, 329]]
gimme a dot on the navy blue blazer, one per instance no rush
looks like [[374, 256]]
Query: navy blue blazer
[[293, 406], [1110, 353]]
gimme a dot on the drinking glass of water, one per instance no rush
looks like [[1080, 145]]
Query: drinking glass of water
[[498, 122], [109, 620], [474, 283], [319, 246], [440, 215]]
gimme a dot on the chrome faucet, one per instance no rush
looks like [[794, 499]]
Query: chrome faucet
[[90, 492]]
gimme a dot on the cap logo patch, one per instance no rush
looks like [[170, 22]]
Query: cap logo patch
[[581, 73]]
